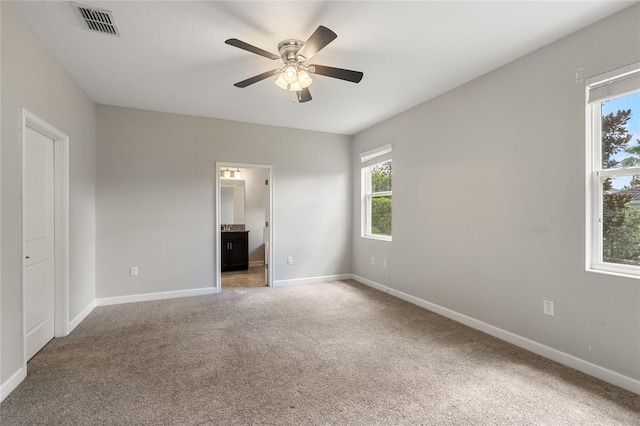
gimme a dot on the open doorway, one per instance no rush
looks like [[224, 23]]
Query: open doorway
[[243, 225]]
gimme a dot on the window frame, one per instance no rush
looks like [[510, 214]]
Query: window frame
[[596, 174], [369, 160]]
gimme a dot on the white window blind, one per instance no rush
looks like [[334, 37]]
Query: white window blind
[[375, 156], [603, 87]]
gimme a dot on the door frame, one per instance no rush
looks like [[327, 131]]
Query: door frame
[[218, 239], [60, 221]]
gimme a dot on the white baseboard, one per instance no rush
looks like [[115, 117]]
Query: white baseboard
[[311, 280], [17, 378], [256, 263], [155, 296], [81, 316], [13, 382], [576, 363]]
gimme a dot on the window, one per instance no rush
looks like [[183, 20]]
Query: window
[[377, 172], [614, 171]]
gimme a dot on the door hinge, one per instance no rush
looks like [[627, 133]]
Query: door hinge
[[266, 181], [266, 224]]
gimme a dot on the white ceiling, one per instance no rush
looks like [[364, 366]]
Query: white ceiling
[[172, 56]]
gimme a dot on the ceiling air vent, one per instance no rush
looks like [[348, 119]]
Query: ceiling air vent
[[95, 19]]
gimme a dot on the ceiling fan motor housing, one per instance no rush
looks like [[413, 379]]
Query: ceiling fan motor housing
[[289, 48]]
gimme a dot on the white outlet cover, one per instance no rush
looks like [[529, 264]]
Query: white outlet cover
[[547, 307]]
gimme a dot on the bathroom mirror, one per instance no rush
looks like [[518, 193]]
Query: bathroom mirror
[[231, 201]]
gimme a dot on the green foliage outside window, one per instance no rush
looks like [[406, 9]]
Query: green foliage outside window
[[621, 220], [381, 177], [381, 215]]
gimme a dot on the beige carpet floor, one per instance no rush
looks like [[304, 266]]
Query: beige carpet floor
[[335, 353]]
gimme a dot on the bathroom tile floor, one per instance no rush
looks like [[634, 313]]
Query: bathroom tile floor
[[253, 277]]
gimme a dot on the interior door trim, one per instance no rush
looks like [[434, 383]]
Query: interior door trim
[[216, 233], [61, 221]]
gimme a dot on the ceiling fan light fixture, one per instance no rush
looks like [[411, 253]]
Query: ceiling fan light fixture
[[281, 82], [295, 86], [301, 79], [305, 79], [290, 74]]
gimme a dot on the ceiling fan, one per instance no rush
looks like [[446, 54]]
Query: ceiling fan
[[294, 73]]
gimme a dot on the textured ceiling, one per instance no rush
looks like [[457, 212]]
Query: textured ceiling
[[172, 56]]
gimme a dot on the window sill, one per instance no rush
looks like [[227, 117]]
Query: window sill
[[377, 237], [607, 269]]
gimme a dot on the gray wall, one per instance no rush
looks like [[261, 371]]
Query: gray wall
[[489, 202], [33, 79], [155, 198], [256, 193]]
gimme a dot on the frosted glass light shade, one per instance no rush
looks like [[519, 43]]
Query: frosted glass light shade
[[290, 74], [281, 82], [305, 79], [300, 80], [295, 86]]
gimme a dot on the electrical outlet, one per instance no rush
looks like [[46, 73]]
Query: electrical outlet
[[547, 307], [384, 263], [373, 260], [133, 271], [290, 260]]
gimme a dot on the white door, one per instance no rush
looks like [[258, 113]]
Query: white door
[[38, 242]]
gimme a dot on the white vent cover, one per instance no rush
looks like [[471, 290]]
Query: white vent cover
[[95, 19]]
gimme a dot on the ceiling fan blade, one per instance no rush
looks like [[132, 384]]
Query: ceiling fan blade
[[250, 48], [256, 78], [318, 40], [342, 74], [304, 95]]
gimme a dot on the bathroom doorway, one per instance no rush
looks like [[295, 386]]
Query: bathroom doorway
[[243, 225]]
